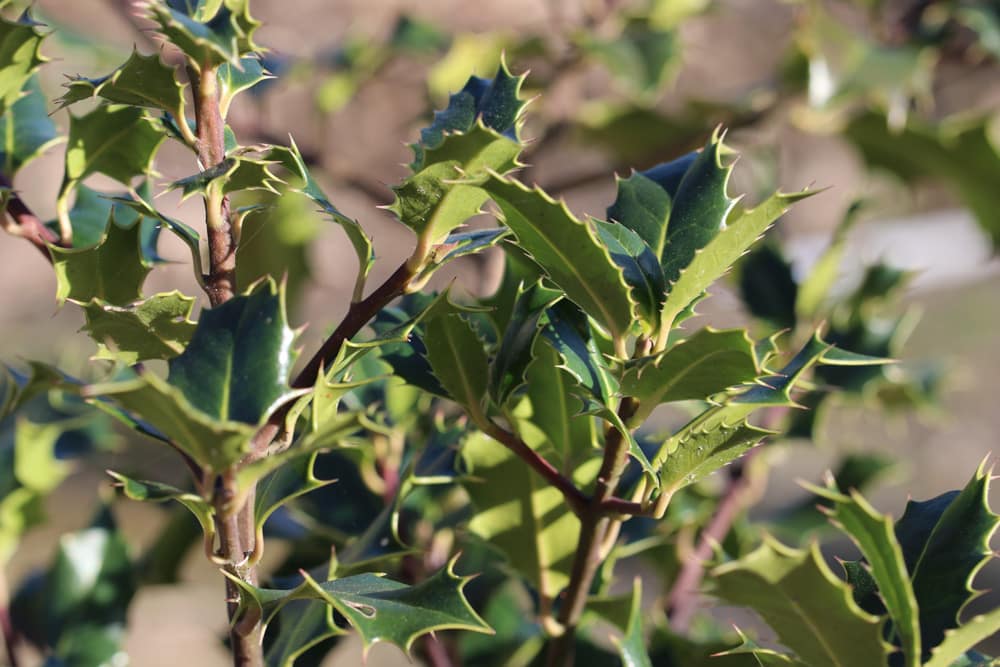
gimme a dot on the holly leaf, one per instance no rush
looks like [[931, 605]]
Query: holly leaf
[[644, 201], [520, 514], [141, 81], [567, 332], [945, 541], [632, 646], [713, 260], [26, 129], [873, 533], [477, 133], [112, 271], [293, 478], [155, 328], [20, 57], [234, 79], [705, 364], [568, 250], [640, 268], [958, 641], [158, 492], [209, 33], [379, 609], [458, 360], [809, 608], [205, 406], [508, 366]]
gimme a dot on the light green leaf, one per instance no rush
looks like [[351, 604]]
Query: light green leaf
[[36, 467], [234, 79], [159, 492], [156, 328], [632, 646], [379, 609], [568, 250], [809, 608], [142, 81], [958, 641], [700, 451], [119, 142], [26, 131], [705, 364], [238, 171], [520, 514], [713, 260], [20, 42], [815, 287], [873, 533], [113, 270]]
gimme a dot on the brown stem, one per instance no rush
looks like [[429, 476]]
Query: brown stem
[[11, 638], [595, 527], [24, 223]]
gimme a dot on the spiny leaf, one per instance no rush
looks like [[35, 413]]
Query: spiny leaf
[[113, 270], [26, 130], [699, 210], [809, 608], [116, 141], [234, 79], [707, 363], [379, 609], [945, 541], [156, 328], [568, 250], [713, 260], [302, 625], [764, 657], [293, 478], [20, 42], [812, 292], [238, 171], [507, 369], [208, 33], [142, 81], [964, 638], [156, 492], [632, 646], [520, 514], [700, 452], [640, 268], [138, 203], [568, 333], [874, 535]]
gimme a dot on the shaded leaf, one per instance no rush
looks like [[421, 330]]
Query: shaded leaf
[[767, 286], [26, 129], [632, 646], [208, 33], [809, 608], [508, 366], [640, 268], [147, 491]]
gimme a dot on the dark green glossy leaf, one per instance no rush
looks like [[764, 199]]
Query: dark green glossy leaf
[[156, 328], [234, 79], [26, 129], [640, 268], [632, 646], [301, 625], [292, 479], [507, 368], [809, 608], [568, 250], [569, 336], [945, 541], [112, 271], [767, 286]]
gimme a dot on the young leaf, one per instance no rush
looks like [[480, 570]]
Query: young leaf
[[156, 328], [142, 81], [20, 42], [112, 271], [945, 541], [809, 608], [874, 535], [568, 250], [713, 260], [705, 364], [379, 609], [26, 129]]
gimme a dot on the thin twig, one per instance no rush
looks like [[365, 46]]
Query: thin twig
[[24, 223]]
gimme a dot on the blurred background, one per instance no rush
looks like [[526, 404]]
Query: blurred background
[[892, 103]]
